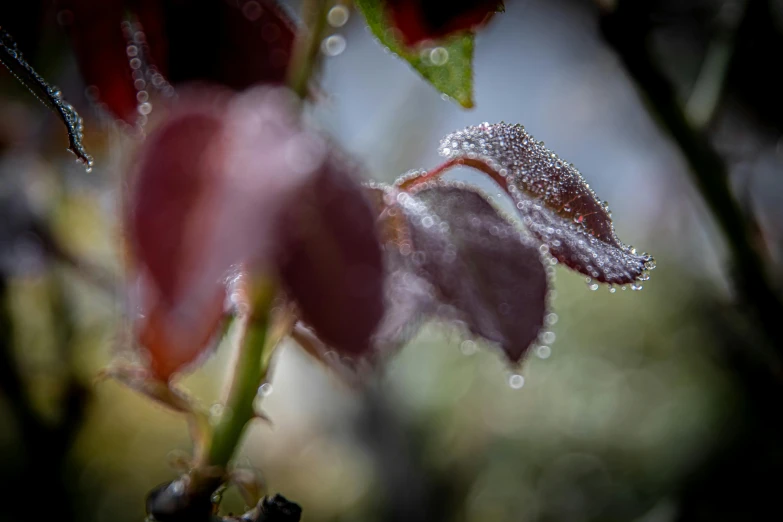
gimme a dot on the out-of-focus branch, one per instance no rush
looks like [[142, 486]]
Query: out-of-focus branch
[[708, 89], [45, 445], [305, 59], [626, 28]]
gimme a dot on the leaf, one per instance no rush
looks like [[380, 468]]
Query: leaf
[[12, 58], [181, 299], [420, 20], [475, 265], [447, 65], [554, 201], [237, 44], [331, 261], [101, 45], [237, 179], [127, 50]]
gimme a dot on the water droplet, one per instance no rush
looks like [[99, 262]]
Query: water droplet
[[516, 381], [468, 347], [548, 337], [612, 289], [543, 352], [333, 45], [551, 319], [252, 10], [265, 390], [439, 56], [145, 108], [338, 16], [593, 286]]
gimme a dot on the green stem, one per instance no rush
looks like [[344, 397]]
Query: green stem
[[626, 29], [305, 59], [250, 370]]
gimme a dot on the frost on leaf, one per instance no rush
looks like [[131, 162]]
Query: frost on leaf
[[554, 201], [456, 258]]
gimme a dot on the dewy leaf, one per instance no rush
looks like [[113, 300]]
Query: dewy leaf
[[482, 270], [554, 201], [12, 58], [447, 64]]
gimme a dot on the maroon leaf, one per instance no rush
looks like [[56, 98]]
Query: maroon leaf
[[128, 48], [96, 33], [179, 169], [331, 258], [419, 20], [236, 44], [233, 179], [458, 258], [210, 184], [555, 202]]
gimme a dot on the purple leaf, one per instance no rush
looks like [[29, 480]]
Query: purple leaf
[[458, 258], [331, 261], [555, 202]]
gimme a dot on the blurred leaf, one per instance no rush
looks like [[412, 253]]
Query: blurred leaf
[[237, 44], [332, 264], [101, 49], [481, 267], [421, 20], [237, 179], [447, 65], [127, 49], [556, 204]]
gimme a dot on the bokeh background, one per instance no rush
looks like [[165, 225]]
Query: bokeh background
[[654, 405]]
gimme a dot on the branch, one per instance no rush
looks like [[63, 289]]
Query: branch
[[626, 29]]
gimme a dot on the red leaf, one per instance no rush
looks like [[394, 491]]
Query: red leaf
[[420, 20], [331, 259], [179, 169], [95, 30], [236, 44], [124, 46], [475, 265], [237, 179], [555, 202]]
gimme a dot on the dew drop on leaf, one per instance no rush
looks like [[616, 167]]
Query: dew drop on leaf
[[333, 45], [265, 390], [516, 381], [554, 201], [338, 16], [543, 352]]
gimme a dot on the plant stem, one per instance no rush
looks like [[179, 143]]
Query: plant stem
[[626, 29], [252, 364], [305, 59]]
